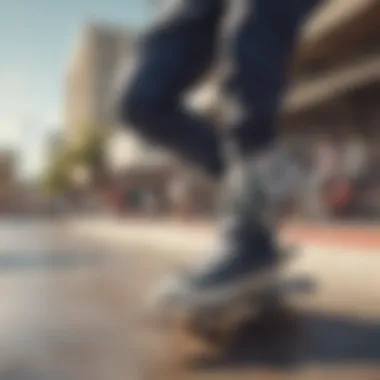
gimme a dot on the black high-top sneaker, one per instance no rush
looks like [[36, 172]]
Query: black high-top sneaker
[[247, 255]]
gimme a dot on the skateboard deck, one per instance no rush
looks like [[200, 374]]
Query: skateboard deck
[[215, 323]]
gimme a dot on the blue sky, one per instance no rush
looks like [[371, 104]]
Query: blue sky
[[36, 39]]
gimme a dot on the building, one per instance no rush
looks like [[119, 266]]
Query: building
[[337, 68], [100, 54]]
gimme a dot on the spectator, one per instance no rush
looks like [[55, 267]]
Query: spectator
[[355, 158], [325, 166]]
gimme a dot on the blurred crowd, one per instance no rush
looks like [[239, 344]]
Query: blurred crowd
[[344, 180]]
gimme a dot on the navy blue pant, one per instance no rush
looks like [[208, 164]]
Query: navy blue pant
[[181, 48]]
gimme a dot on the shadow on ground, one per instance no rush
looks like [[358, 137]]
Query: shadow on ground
[[304, 339]]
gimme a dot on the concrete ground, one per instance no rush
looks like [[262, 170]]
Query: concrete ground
[[71, 309]]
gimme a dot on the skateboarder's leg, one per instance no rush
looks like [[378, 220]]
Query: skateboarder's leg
[[261, 49], [262, 46], [174, 55]]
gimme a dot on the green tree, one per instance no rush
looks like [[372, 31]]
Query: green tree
[[91, 150], [91, 153], [57, 177]]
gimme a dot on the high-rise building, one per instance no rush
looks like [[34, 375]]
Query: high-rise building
[[100, 54]]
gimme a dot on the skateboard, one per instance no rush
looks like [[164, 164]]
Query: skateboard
[[216, 323]]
